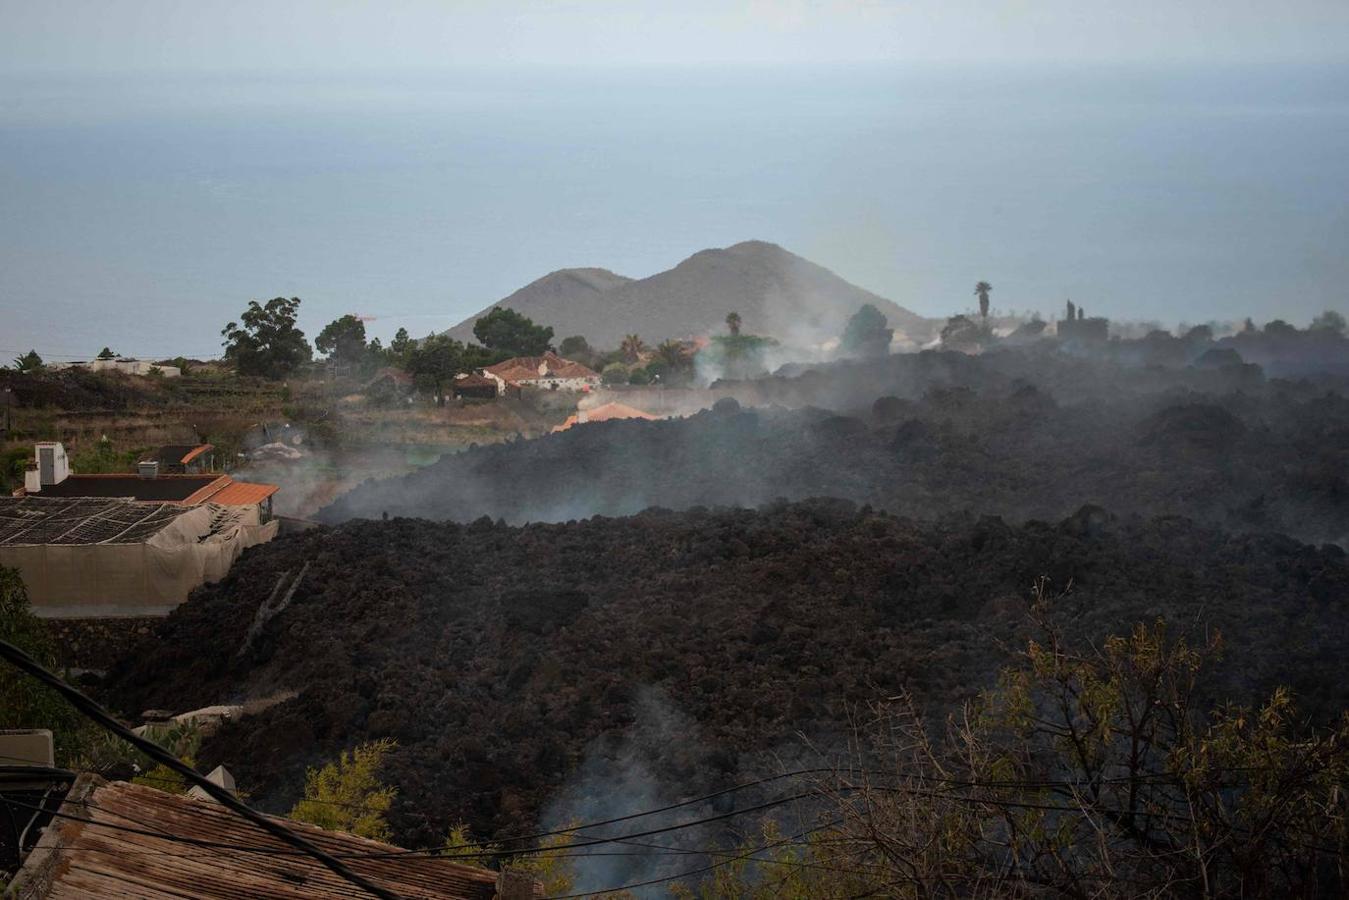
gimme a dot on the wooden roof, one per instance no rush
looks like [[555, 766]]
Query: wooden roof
[[97, 859]]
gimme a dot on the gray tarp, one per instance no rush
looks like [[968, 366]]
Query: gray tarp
[[148, 578]]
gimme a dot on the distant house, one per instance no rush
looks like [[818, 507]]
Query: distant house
[[390, 381], [123, 364], [88, 557], [550, 372], [184, 459], [94, 838], [1077, 327], [474, 386], [603, 413], [50, 476]]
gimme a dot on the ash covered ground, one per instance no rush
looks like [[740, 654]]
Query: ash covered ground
[[1022, 434], [531, 672]]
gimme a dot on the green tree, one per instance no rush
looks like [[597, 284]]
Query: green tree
[[401, 347], [106, 353], [347, 795], [1100, 765], [267, 343], [981, 290], [867, 334], [632, 348], [511, 333], [30, 362], [343, 341], [1330, 320], [738, 355], [575, 347], [615, 373], [25, 702], [733, 322], [639, 376], [550, 864], [438, 358]]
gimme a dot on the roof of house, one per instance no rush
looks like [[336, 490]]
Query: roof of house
[[243, 493], [163, 488], [473, 381], [526, 368], [47, 520], [180, 454], [604, 413], [186, 489], [397, 376], [88, 851]]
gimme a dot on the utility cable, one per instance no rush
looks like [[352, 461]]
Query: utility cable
[[92, 710]]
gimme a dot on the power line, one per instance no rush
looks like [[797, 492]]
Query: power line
[[88, 708]]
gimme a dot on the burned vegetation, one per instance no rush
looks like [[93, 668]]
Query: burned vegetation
[[507, 660]]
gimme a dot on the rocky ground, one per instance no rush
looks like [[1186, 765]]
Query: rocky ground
[[1018, 434], [517, 665]]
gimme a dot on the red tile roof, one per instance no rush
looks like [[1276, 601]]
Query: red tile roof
[[242, 493], [527, 368]]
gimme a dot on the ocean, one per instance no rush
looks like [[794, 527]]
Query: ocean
[[143, 212]]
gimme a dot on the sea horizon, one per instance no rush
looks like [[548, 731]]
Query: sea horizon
[[144, 211]]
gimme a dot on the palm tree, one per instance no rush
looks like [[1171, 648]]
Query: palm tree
[[733, 323], [673, 354], [632, 348], [981, 290]]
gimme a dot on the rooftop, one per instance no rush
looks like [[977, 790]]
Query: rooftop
[[186, 489], [524, 368], [50, 520], [89, 851], [164, 488], [179, 454]]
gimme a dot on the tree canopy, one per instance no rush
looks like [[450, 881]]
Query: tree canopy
[[29, 362], [440, 357], [1330, 320], [867, 334], [981, 290], [512, 333], [343, 341], [106, 353], [267, 343], [574, 347], [401, 347], [347, 795]]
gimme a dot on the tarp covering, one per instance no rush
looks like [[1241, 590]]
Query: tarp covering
[[146, 578]]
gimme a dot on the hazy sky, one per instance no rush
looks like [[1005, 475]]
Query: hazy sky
[[115, 35]]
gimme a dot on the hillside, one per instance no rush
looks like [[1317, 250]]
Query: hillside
[[645, 659], [776, 293]]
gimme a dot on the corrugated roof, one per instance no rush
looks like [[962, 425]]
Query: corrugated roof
[[54, 520], [243, 493], [96, 859]]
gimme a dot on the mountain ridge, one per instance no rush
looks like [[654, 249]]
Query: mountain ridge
[[776, 293]]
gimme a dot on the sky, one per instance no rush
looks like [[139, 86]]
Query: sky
[[139, 35], [1163, 160]]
